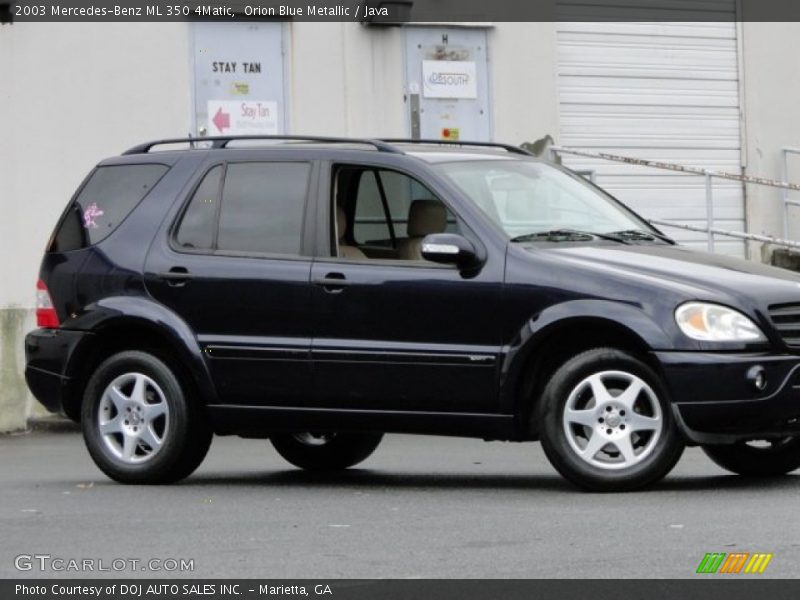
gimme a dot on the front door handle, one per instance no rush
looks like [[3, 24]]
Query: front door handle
[[332, 282]]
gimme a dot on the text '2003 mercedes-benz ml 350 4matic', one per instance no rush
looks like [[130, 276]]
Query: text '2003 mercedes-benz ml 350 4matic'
[[321, 292]]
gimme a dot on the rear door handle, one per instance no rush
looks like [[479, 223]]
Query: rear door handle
[[176, 276]]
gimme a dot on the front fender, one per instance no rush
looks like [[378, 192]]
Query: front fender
[[629, 318], [117, 312]]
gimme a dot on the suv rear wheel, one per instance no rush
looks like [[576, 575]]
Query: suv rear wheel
[[325, 451], [606, 423], [138, 424], [758, 458]]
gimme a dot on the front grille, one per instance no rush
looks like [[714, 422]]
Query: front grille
[[786, 318]]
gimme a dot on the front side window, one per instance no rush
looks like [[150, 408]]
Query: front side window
[[384, 214], [400, 192], [253, 207]]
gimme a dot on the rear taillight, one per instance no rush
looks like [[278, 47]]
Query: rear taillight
[[45, 313]]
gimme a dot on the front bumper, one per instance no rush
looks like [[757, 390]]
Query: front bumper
[[714, 401], [48, 357]]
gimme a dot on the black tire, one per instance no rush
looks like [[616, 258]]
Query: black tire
[[651, 455], [777, 458], [184, 429], [325, 452]]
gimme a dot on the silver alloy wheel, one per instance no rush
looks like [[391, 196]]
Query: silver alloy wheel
[[310, 438], [133, 419], [612, 420]]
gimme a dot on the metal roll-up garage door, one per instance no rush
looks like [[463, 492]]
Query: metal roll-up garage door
[[661, 91]]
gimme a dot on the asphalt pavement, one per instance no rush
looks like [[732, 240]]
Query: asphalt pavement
[[420, 507]]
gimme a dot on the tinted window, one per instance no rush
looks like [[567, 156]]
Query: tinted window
[[71, 234], [262, 207], [199, 221], [107, 198]]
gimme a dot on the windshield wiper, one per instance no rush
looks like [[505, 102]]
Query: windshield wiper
[[568, 235], [642, 234]]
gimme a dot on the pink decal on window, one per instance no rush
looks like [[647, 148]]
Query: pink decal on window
[[90, 214]]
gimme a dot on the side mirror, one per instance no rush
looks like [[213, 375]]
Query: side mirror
[[449, 249]]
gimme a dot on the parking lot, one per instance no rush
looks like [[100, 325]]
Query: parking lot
[[420, 507]]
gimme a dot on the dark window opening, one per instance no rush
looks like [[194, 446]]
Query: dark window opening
[[386, 213]]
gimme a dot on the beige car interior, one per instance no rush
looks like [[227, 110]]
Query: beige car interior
[[346, 251], [424, 218]]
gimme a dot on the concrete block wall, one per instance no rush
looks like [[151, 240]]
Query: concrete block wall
[[17, 404]]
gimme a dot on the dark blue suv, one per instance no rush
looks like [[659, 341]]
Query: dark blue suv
[[321, 292]]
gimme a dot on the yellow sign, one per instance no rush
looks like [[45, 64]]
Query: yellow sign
[[240, 89]]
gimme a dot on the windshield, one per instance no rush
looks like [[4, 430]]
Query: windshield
[[528, 198]]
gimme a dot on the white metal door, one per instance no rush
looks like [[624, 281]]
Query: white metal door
[[238, 78], [662, 91], [447, 83]]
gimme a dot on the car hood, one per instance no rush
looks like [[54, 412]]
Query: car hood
[[694, 273]]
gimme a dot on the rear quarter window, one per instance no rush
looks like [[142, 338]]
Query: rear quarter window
[[108, 197]]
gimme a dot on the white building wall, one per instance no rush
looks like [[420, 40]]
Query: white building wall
[[76, 93], [771, 74], [346, 79], [522, 60]]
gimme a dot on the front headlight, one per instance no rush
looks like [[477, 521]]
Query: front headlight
[[714, 323]]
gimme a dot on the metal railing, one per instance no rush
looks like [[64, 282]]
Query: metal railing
[[787, 202], [708, 175]]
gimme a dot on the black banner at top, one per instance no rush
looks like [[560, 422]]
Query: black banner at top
[[397, 12]]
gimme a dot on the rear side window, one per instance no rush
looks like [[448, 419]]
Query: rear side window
[[260, 209], [199, 221], [107, 198]]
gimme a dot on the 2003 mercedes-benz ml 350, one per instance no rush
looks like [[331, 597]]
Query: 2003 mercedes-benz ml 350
[[322, 292]]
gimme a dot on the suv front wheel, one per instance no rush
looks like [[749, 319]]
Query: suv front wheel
[[325, 451], [606, 423], [138, 423]]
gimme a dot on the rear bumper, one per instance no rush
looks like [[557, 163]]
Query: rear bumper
[[48, 354], [714, 400]]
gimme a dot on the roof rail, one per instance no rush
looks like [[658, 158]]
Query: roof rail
[[506, 147], [223, 141]]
